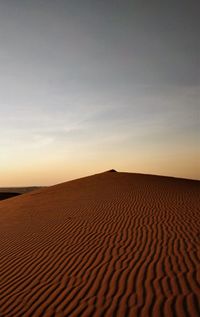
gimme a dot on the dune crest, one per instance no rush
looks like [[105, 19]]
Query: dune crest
[[112, 244]]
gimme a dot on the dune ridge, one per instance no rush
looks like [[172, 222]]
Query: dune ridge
[[112, 244]]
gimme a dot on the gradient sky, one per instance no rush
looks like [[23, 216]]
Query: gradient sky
[[87, 86]]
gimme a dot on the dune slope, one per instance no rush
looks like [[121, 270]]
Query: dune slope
[[112, 244]]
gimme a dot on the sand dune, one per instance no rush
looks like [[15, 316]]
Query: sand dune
[[112, 244]]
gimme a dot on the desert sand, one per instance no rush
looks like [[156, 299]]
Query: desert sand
[[112, 244]]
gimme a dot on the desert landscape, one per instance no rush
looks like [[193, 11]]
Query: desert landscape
[[112, 244], [86, 86]]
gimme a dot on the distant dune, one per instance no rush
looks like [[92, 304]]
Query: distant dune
[[112, 244], [6, 195], [9, 192], [19, 190]]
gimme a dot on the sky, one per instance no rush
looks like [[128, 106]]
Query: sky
[[87, 86]]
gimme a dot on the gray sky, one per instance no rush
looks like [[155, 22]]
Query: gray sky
[[90, 85]]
